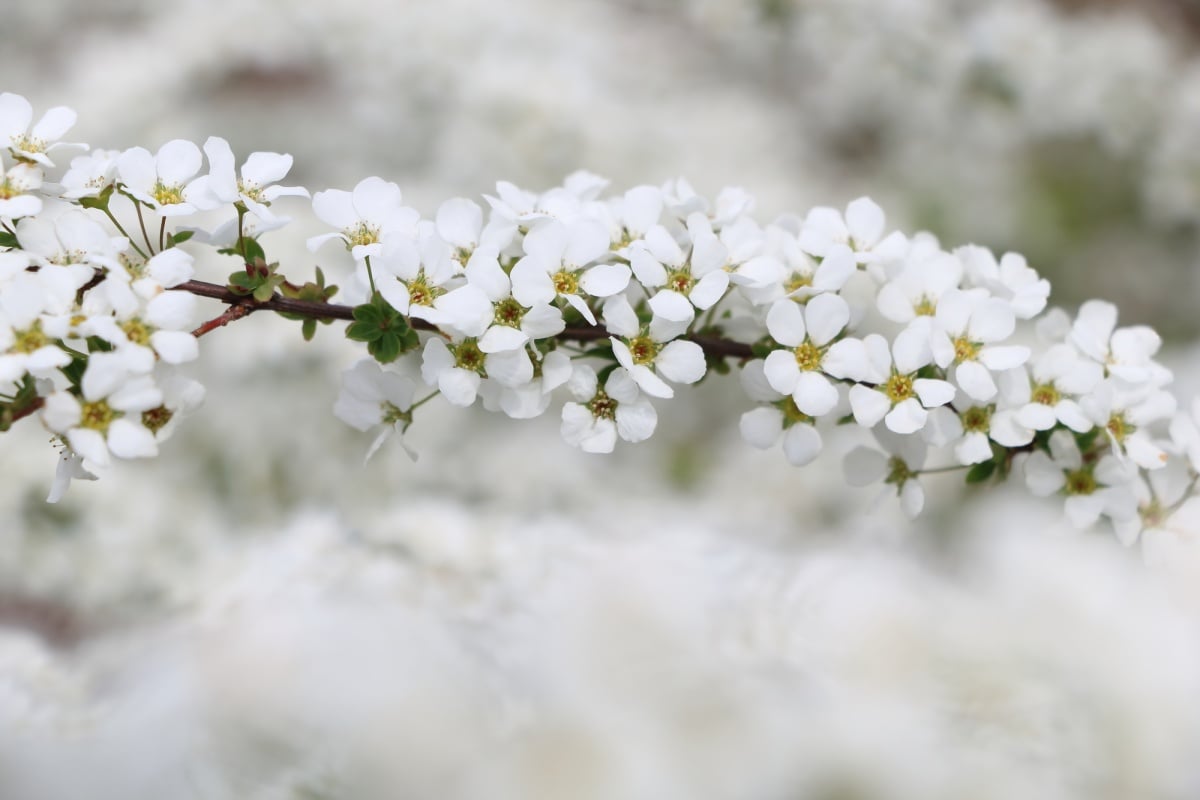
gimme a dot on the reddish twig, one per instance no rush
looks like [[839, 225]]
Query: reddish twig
[[229, 315]]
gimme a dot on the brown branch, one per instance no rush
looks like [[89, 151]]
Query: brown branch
[[236, 311], [11, 415], [713, 345]]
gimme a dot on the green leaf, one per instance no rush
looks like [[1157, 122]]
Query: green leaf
[[603, 351], [252, 251], [1086, 440], [309, 329], [368, 313], [264, 291], [9, 240], [179, 237], [981, 472], [846, 420], [363, 331], [386, 348]]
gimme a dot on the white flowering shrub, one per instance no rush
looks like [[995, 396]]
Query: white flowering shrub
[[612, 303]]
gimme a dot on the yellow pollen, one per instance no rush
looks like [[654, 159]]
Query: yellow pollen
[[97, 416], [927, 307], [898, 388], [251, 190], [799, 282], [1046, 394], [1119, 427], [792, 414], [156, 418], [468, 356], [1080, 481], [29, 144], [680, 280], [30, 340], [420, 293], [565, 282], [360, 234], [509, 312], [167, 195], [977, 419], [643, 349], [808, 356], [137, 331], [602, 406], [965, 350]]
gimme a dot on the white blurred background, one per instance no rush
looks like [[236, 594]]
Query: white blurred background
[[257, 615]]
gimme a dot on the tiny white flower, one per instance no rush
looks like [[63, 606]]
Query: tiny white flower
[[898, 396], [1126, 353], [554, 266], [968, 324], [1046, 392], [686, 281], [861, 229], [17, 186], [921, 283], [254, 185], [648, 354], [601, 415], [1125, 416], [70, 467], [765, 426], [90, 174], [97, 425], [32, 144], [1012, 279], [163, 181], [899, 465], [457, 368], [364, 217], [531, 399], [801, 370], [1092, 488], [372, 396]]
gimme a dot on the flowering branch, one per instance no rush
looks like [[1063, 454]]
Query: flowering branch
[[618, 301]]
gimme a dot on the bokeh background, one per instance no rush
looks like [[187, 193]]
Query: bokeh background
[[256, 614]]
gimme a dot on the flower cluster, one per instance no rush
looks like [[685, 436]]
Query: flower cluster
[[948, 356]]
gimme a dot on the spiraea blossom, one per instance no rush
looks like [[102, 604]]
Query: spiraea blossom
[[601, 307]]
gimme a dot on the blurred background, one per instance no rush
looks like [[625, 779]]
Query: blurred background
[[256, 614]]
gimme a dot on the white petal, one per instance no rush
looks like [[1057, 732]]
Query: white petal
[[672, 306], [814, 394], [864, 466], [175, 347], [681, 362], [864, 221], [826, 315], [89, 444], [127, 440], [1007, 431], [531, 283], [973, 448], [177, 161], [1037, 416], [912, 498], [543, 321], [869, 406], [605, 280], [801, 444], [459, 222], [1043, 476], [785, 323], [649, 382], [646, 267], [620, 318], [1070, 414], [509, 368], [709, 289], [848, 359], [636, 421], [458, 386], [992, 321], [907, 417], [1084, 510], [911, 348], [975, 380], [761, 426], [781, 371], [1003, 357], [499, 338]]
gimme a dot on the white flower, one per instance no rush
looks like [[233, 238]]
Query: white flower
[[967, 326], [163, 326], [690, 281], [371, 396], [861, 229], [485, 308], [96, 425], [70, 467], [459, 223], [804, 275], [1012, 279], [1125, 416], [458, 368], [1185, 435], [411, 276], [556, 254], [764, 426], [71, 237], [90, 174], [899, 466], [531, 399], [898, 396], [253, 186], [800, 371], [602, 414], [16, 115], [1092, 488], [648, 353], [1046, 399], [163, 180], [17, 184], [916, 290], [364, 217], [1125, 353], [27, 345], [632, 215]]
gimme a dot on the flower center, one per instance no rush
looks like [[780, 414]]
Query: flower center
[[137, 331], [1046, 394], [898, 388], [1119, 427], [1081, 481], [925, 307], [965, 350], [798, 282], [391, 414], [420, 293], [251, 190], [898, 471], [97, 416], [680, 280], [808, 356], [602, 406], [643, 349], [468, 356], [166, 195], [977, 419], [29, 144], [28, 341], [156, 418], [565, 282], [509, 312], [792, 414], [360, 234]]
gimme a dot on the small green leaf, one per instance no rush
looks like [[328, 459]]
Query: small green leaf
[[363, 332], [386, 348], [846, 420], [179, 237], [9, 240], [309, 329], [263, 292], [981, 472], [252, 251]]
